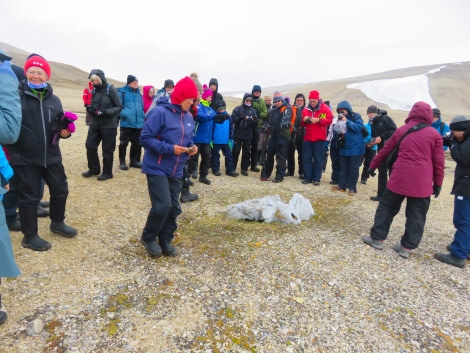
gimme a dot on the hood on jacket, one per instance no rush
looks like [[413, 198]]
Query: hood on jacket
[[421, 112], [299, 95], [146, 90], [213, 81], [245, 96], [100, 73], [345, 105]]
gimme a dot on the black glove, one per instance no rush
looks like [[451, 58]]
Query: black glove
[[90, 110], [436, 190], [219, 118], [371, 172]]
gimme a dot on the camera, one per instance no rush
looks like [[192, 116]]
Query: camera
[[340, 116], [447, 139], [267, 128]]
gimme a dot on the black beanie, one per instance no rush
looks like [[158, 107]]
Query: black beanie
[[256, 88], [372, 109], [168, 83], [131, 78], [436, 112]]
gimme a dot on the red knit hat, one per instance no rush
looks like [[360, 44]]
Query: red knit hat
[[314, 95], [40, 62], [184, 88]]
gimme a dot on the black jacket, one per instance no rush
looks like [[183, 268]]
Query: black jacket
[[279, 119], [243, 128], [383, 126], [105, 99], [460, 152], [41, 121]]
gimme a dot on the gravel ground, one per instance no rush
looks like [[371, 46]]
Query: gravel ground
[[236, 286]]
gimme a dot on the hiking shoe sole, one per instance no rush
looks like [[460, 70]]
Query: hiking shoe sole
[[376, 244]]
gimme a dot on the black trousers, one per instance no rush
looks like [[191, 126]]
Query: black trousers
[[254, 148], [245, 147], [277, 148], [107, 138], [382, 178], [368, 157], [161, 220], [416, 211], [295, 143], [203, 150], [132, 135], [29, 189]]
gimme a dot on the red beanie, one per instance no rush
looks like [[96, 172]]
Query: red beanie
[[40, 62], [314, 95], [184, 88]]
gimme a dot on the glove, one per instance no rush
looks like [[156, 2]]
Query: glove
[[219, 118], [230, 144], [90, 109], [284, 126], [371, 172], [436, 190]]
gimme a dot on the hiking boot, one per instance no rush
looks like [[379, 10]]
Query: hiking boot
[[63, 229], [377, 244], [316, 183], [135, 164], [448, 249], [89, 174], [15, 227], [186, 196], [450, 259], [305, 181], [276, 180], [35, 243], [194, 174], [232, 174], [216, 172], [333, 182], [123, 166], [255, 169], [364, 182], [42, 212], [152, 247], [402, 251], [264, 179], [375, 198], [288, 174], [245, 172], [337, 188], [104, 177], [169, 250], [203, 179], [351, 193]]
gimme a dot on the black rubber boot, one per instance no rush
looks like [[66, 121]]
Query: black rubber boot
[[169, 250], [3, 315], [35, 243], [63, 229], [203, 179], [186, 195], [122, 158], [42, 212]]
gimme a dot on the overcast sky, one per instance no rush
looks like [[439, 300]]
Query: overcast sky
[[241, 42]]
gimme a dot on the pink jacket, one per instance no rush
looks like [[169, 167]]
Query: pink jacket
[[420, 162]]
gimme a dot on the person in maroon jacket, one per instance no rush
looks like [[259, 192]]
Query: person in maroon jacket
[[417, 174]]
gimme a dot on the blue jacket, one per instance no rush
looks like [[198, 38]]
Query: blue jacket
[[10, 106], [166, 126], [5, 170], [353, 137], [132, 113], [369, 137], [204, 124], [223, 131], [442, 128]]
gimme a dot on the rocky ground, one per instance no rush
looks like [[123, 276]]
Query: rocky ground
[[236, 286]]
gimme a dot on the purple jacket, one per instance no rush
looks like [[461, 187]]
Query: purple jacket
[[166, 126], [420, 162]]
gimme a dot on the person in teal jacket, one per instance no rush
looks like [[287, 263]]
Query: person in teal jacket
[[10, 122], [441, 127], [132, 118], [350, 154]]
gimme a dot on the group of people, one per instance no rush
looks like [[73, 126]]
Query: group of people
[[184, 121]]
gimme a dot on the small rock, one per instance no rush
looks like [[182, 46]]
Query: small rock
[[37, 326]]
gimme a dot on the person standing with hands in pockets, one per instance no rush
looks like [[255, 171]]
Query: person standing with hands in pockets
[[167, 138]]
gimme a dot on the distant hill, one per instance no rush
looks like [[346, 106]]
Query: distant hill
[[449, 87]]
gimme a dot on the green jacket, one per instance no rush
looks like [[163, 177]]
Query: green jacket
[[261, 110]]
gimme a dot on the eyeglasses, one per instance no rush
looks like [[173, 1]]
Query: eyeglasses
[[248, 100], [37, 73]]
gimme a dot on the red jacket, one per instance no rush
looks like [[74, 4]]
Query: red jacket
[[317, 131], [420, 162], [87, 94]]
